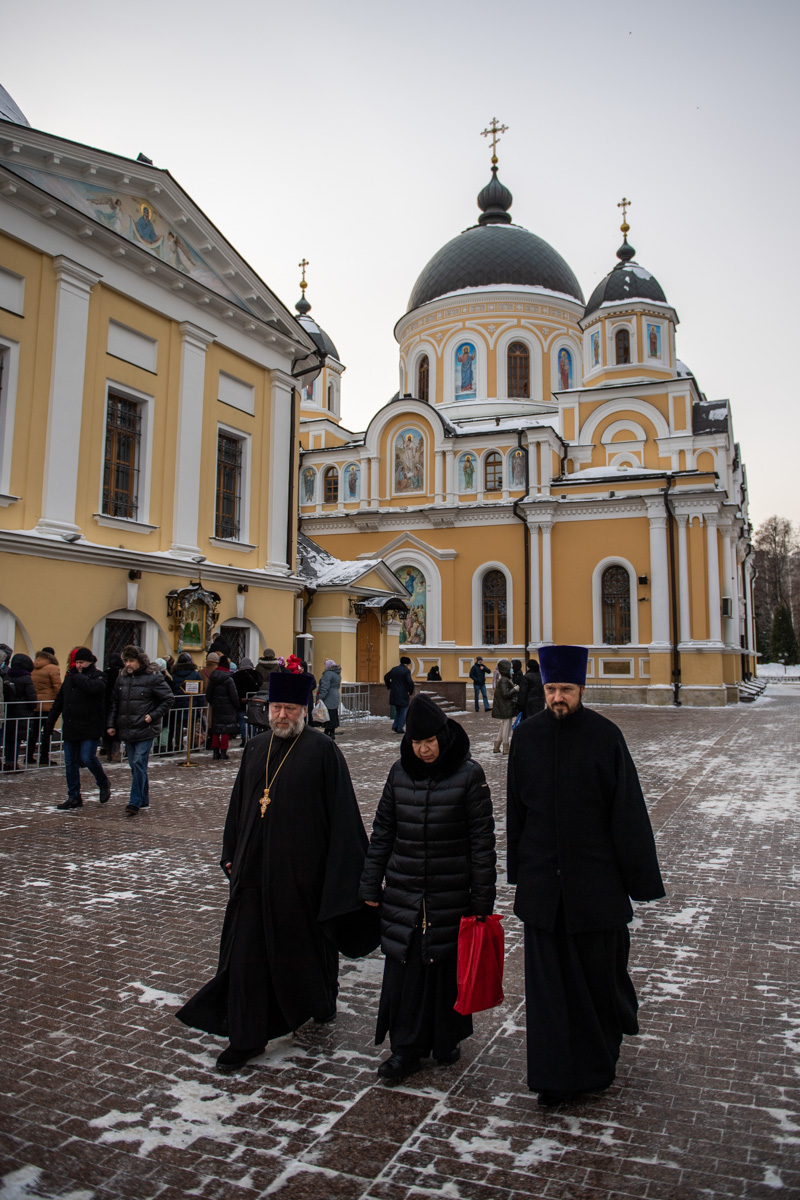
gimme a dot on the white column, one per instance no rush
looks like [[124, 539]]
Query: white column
[[65, 413], [750, 625], [683, 579], [194, 343], [450, 476], [712, 556], [536, 604], [363, 492], [659, 574], [547, 583], [438, 476], [279, 461], [546, 459], [731, 535], [374, 482]]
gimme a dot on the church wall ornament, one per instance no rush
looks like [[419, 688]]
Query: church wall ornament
[[193, 611]]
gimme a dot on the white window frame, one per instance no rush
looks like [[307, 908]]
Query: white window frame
[[597, 601], [477, 604], [145, 403], [245, 439], [9, 350]]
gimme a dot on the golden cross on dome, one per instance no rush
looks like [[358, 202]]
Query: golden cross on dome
[[303, 264], [624, 204], [493, 131]]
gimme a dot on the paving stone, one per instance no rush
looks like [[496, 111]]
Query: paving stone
[[108, 926]]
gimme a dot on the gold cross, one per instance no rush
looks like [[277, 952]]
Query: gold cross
[[264, 801], [624, 205], [303, 264], [493, 131]]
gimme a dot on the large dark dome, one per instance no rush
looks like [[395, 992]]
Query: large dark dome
[[628, 281], [494, 252]]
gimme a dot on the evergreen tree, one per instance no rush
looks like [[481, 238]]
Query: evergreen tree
[[783, 645]]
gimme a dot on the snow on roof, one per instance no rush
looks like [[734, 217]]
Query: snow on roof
[[490, 424], [600, 472], [504, 287], [321, 568]]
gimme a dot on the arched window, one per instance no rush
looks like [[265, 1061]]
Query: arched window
[[330, 397], [616, 598], [519, 370], [494, 608], [331, 485], [493, 472], [423, 378], [622, 341]]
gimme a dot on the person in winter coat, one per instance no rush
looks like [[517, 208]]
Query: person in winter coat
[[20, 701], [530, 699], [81, 704], [433, 845], [246, 681], [183, 672], [504, 705], [434, 675], [223, 703], [265, 666], [110, 747], [329, 692], [46, 683], [141, 698], [477, 673], [401, 689]]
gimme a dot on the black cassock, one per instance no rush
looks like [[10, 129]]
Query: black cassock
[[294, 893], [580, 844]]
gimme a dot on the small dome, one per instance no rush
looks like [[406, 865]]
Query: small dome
[[10, 110], [628, 281], [318, 335]]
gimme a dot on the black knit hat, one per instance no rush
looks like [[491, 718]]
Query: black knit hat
[[83, 654], [424, 719]]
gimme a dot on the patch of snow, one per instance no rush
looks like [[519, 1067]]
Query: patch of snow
[[772, 1178], [23, 1184], [154, 996]]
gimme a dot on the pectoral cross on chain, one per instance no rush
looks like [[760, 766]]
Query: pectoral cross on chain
[[265, 801]]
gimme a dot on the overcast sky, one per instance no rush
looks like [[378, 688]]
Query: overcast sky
[[349, 133]]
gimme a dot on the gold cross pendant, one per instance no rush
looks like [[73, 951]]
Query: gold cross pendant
[[264, 801]]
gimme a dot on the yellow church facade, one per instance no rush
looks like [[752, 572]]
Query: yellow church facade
[[548, 472], [148, 415]]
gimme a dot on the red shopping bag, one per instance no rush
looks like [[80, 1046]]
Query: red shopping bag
[[480, 965]]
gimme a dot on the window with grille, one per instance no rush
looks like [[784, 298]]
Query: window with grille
[[519, 370], [622, 341], [616, 600], [423, 378], [493, 472], [331, 485], [494, 608], [236, 637], [123, 449], [229, 486], [120, 634]]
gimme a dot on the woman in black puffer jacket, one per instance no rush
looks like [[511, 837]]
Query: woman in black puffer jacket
[[223, 699], [433, 843]]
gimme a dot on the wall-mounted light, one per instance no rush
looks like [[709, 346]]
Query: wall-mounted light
[[643, 580], [133, 575], [242, 588]]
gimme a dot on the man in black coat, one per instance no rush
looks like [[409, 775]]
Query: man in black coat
[[141, 699], [401, 689], [530, 700], [580, 845], [81, 704], [293, 849]]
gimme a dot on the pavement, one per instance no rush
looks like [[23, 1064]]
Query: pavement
[[109, 923]]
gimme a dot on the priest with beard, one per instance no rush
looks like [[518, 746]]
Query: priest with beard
[[293, 848], [580, 846]]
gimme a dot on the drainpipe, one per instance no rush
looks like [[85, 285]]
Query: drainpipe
[[676, 659], [527, 545]]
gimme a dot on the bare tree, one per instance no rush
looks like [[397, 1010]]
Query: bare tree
[[777, 560]]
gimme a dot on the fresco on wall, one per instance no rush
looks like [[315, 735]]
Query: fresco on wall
[[135, 219], [466, 472], [308, 393], [412, 632], [466, 388], [352, 482], [409, 461], [595, 343], [516, 468], [654, 341], [309, 480], [564, 369]]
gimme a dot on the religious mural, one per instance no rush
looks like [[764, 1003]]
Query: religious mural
[[308, 393], [564, 369], [595, 343], [412, 632], [466, 386], [654, 341], [466, 472], [309, 483], [352, 482], [516, 468], [135, 219], [409, 461]]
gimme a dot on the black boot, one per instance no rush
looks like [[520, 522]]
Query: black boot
[[233, 1058], [216, 753], [105, 792], [71, 802]]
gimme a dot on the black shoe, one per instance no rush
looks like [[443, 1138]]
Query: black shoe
[[325, 1020], [232, 1058], [554, 1099], [131, 810], [397, 1067], [75, 802], [223, 754], [105, 792], [216, 753], [450, 1058]]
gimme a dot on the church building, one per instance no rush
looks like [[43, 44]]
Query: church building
[[549, 471]]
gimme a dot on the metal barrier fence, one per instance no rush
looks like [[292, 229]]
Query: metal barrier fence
[[354, 703]]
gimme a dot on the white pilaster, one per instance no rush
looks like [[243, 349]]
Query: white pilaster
[[547, 583], [194, 343], [536, 604], [659, 574], [730, 574], [374, 482], [363, 500], [712, 557], [450, 473], [65, 414], [438, 476], [683, 578], [280, 460]]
